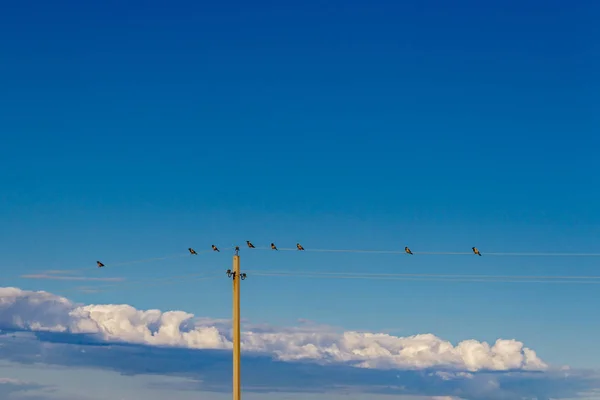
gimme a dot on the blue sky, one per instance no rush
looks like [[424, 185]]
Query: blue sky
[[136, 131]]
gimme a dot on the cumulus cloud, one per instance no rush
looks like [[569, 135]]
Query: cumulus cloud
[[43, 311], [205, 370], [210, 371]]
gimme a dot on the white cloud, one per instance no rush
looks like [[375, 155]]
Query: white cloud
[[43, 311]]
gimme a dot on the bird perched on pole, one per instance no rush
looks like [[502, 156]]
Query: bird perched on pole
[[476, 251], [192, 251], [100, 265], [273, 247], [215, 248], [299, 246], [407, 250], [250, 244]]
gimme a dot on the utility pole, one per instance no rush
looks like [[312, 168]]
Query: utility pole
[[236, 278]]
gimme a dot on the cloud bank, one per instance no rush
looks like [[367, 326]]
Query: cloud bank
[[45, 312], [40, 329]]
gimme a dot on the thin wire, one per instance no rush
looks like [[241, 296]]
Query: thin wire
[[143, 260], [423, 279], [359, 274], [163, 258], [144, 283], [179, 255], [153, 282], [149, 259], [119, 264], [536, 254], [546, 254]]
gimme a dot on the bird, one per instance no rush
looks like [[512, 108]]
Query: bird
[[100, 265], [299, 246], [215, 248], [250, 244], [407, 250], [192, 251], [273, 247], [476, 251]]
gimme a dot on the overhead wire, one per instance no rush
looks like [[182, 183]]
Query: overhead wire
[[63, 271], [425, 279], [559, 279], [345, 275], [196, 277], [369, 251], [177, 255], [318, 250], [124, 263], [57, 271], [520, 254], [148, 282], [417, 277], [587, 279], [359, 274]]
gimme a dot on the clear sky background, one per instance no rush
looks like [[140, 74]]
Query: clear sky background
[[133, 131]]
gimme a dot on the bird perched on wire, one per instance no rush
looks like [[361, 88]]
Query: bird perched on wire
[[407, 250], [215, 248], [476, 251], [192, 251], [299, 246], [100, 265], [250, 244], [273, 247]]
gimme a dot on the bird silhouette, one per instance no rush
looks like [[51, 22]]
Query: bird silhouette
[[299, 246], [192, 251], [215, 248], [250, 244], [407, 250], [100, 265], [476, 251], [273, 247]]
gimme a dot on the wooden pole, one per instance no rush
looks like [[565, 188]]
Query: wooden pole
[[237, 387]]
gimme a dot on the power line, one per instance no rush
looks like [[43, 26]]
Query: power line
[[124, 263], [572, 279], [368, 251], [117, 264], [520, 254], [144, 283], [359, 274], [516, 279], [372, 251]]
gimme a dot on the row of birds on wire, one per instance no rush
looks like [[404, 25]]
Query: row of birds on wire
[[273, 247], [299, 247]]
